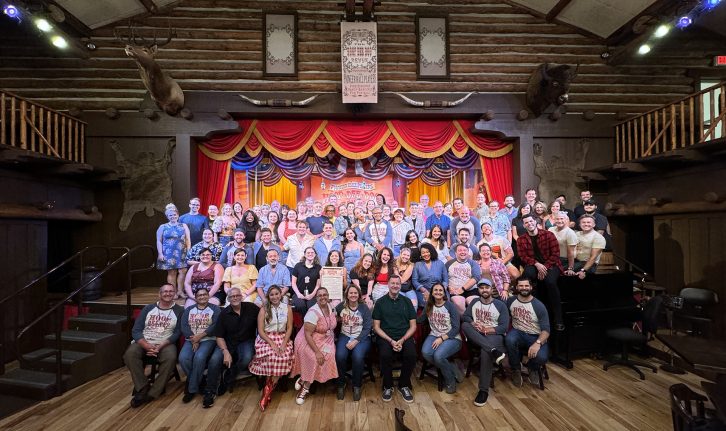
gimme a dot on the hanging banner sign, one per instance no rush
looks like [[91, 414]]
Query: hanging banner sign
[[351, 189], [359, 61]]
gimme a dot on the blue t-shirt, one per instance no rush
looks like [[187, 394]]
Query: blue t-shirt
[[196, 224], [316, 224]]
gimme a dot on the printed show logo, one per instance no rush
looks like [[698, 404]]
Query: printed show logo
[[356, 185]]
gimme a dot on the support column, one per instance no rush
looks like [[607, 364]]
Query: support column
[[184, 169]]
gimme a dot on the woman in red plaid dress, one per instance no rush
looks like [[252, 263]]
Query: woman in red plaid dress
[[273, 347]]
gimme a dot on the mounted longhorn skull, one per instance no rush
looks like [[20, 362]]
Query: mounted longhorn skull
[[279, 103], [549, 84], [167, 94], [433, 103]]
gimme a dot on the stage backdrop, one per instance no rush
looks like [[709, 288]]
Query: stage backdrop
[[349, 189]]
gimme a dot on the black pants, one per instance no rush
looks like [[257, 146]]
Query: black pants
[[408, 362], [547, 289]]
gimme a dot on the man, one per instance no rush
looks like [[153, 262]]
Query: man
[[236, 333], [579, 210], [501, 249], [530, 196], [457, 203], [416, 219], [258, 255], [272, 274], [438, 218], [481, 209], [154, 335], [463, 274], [499, 222], [509, 210], [342, 222], [326, 243], [485, 322], [465, 220], [315, 221], [427, 211], [567, 241], [379, 232], [226, 258], [540, 255], [464, 238], [297, 243], [194, 221], [333, 200], [386, 212], [530, 331], [602, 226], [394, 321], [590, 245], [309, 203], [563, 207], [275, 206]]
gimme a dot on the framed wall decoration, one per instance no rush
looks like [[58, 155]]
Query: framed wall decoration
[[432, 47], [280, 42]]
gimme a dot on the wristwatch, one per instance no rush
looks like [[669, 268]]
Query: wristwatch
[[538, 342]]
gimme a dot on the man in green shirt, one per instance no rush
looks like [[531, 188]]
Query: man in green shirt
[[394, 321]]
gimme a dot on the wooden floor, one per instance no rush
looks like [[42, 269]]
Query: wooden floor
[[585, 398]]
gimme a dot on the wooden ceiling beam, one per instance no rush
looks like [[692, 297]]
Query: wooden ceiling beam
[[71, 24], [539, 14], [149, 5], [552, 14]]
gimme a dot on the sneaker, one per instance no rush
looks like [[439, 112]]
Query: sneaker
[[387, 394], [356, 393], [498, 356], [341, 392], [517, 378], [481, 398], [451, 389], [406, 394], [534, 377], [187, 397], [300, 400], [298, 384], [208, 400]]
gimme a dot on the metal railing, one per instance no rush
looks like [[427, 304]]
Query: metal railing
[[30, 126], [695, 119]]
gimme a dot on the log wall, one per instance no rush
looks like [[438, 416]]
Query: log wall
[[494, 48]]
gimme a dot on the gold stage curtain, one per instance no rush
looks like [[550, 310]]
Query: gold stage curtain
[[442, 193], [284, 192]]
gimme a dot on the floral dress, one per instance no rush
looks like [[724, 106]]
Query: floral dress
[[173, 244]]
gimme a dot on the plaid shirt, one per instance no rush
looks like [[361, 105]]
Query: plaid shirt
[[548, 247]]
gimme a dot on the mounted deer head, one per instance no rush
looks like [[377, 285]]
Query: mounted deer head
[[167, 94]]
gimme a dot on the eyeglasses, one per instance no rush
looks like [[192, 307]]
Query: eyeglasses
[[234, 296]]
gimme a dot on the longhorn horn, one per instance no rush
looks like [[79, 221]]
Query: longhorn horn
[[458, 102], [305, 102], [576, 70], [410, 101], [254, 101], [279, 103]]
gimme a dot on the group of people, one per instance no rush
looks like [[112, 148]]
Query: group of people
[[453, 271]]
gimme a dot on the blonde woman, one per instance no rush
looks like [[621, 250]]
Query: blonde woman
[[225, 225], [241, 276], [172, 243]]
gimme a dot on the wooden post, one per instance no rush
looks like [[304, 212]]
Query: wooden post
[[83, 143], [700, 117], [683, 125], [56, 136], [691, 121], [3, 120], [12, 122], [673, 126], [65, 153], [649, 127], [642, 136], [617, 144]]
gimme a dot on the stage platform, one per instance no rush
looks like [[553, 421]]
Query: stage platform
[[140, 296], [584, 398]]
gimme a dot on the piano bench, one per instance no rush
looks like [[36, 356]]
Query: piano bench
[[627, 337]]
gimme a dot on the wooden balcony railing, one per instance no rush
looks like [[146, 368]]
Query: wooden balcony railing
[[29, 126], [695, 119]]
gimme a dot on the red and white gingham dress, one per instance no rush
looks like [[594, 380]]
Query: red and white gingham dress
[[306, 365], [266, 361]]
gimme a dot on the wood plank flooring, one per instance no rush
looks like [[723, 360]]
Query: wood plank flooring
[[585, 398]]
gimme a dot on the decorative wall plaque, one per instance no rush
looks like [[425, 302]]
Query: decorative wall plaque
[[432, 47], [359, 61], [280, 42]]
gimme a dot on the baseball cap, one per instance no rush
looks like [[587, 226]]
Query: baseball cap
[[484, 281]]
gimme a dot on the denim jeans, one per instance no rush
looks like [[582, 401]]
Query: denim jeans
[[241, 357], [440, 356], [358, 355], [194, 363], [518, 343]]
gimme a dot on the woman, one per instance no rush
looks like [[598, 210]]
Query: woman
[[383, 270], [360, 224], [335, 260], [352, 249], [207, 242], [237, 211], [540, 211], [172, 243], [400, 229], [404, 269], [273, 223], [287, 227], [273, 348], [205, 275], [361, 275], [380, 200], [225, 225], [197, 327], [241, 276], [427, 272], [437, 240], [386, 209], [283, 212], [517, 224], [306, 280], [412, 243], [444, 339], [315, 347], [296, 244], [494, 270], [354, 339], [301, 210], [369, 209], [251, 226], [555, 208], [448, 210]]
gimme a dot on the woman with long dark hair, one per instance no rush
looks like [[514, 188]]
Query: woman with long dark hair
[[427, 272], [352, 249], [437, 240], [384, 269], [362, 275], [413, 243], [251, 225], [354, 339]]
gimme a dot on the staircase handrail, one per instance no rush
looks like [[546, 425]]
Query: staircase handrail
[[631, 265]]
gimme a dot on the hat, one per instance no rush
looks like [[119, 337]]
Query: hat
[[484, 281], [590, 202]]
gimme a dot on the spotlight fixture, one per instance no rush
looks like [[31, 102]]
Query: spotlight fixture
[[59, 42], [684, 21], [43, 25], [605, 54], [90, 46], [662, 30], [710, 4], [11, 11], [644, 49]]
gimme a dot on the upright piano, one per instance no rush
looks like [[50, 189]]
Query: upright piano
[[590, 307]]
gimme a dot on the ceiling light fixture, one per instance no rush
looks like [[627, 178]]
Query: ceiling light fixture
[[43, 25], [662, 30], [644, 49], [11, 11], [59, 42], [684, 21]]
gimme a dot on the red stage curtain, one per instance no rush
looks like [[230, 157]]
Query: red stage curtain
[[356, 139], [497, 175], [291, 138], [424, 138], [212, 180]]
